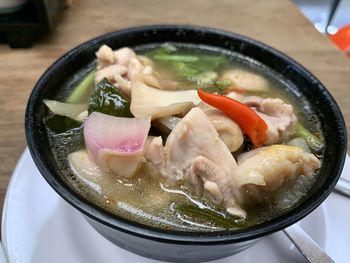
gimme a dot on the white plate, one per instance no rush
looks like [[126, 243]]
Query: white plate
[[38, 226]]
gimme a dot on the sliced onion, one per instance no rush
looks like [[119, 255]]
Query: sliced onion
[[115, 143], [66, 109]]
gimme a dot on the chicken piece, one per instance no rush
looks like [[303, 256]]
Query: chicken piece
[[245, 80], [246, 155], [278, 115], [105, 56], [119, 67], [229, 131], [145, 61], [208, 178], [278, 127], [148, 79], [124, 55], [148, 70], [188, 141], [154, 152], [278, 164], [123, 84], [110, 72], [156, 82], [202, 159], [134, 67]]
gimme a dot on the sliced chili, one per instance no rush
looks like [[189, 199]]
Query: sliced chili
[[249, 121]]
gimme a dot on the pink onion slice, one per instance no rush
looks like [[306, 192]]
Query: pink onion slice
[[116, 143]]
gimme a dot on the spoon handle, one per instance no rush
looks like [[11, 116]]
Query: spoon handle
[[306, 245]]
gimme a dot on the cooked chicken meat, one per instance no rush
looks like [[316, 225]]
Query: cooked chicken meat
[[277, 164], [245, 80], [278, 115], [105, 56], [203, 160], [136, 67], [124, 55], [210, 168], [119, 67], [229, 131], [109, 72], [154, 152]]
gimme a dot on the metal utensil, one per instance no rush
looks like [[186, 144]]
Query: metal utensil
[[306, 245], [332, 10], [343, 187]]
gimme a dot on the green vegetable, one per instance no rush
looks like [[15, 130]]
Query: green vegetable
[[208, 63], [207, 215], [181, 58], [60, 124], [109, 100], [163, 50], [312, 140], [189, 66], [185, 70], [68, 141], [218, 86], [82, 92], [206, 77], [222, 84], [192, 71]]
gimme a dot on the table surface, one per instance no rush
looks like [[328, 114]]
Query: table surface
[[277, 23]]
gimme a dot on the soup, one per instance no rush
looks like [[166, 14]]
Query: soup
[[185, 137]]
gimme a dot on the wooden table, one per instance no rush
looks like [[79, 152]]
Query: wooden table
[[277, 23]]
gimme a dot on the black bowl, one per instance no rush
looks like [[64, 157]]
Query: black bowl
[[171, 245]]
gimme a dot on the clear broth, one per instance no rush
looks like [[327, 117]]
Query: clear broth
[[147, 200]]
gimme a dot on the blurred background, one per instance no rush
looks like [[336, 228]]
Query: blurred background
[[318, 11], [329, 17], [23, 21]]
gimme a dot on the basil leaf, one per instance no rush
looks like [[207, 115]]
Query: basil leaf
[[108, 99]]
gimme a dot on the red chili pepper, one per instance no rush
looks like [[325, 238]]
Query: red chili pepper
[[250, 122]]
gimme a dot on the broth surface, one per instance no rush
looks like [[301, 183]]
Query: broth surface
[[147, 199]]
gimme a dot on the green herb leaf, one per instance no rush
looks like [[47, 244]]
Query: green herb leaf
[[180, 58], [312, 140], [68, 141], [207, 215], [60, 124], [109, 100], [217, 86], [191, 67]]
